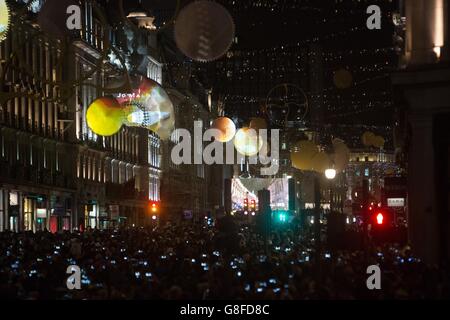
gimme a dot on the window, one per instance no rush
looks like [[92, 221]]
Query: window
[[366, 172]]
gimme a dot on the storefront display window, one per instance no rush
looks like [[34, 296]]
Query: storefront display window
[[91, 216], [28, 217]]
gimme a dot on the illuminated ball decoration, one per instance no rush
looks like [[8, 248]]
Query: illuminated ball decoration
[[204, 30], [105, 116], [343, 79], [247, 142], [302, 155], [370, 139], [227, 128], [379, 142], [367, 138], [4, 20], [341, 155], [150, 107]]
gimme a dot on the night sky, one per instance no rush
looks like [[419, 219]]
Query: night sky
[[339, 27]]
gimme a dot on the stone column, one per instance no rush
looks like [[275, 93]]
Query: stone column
[[427, 39], [421, 187]]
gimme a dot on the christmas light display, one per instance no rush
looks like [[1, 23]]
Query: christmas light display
[[4, 19], [204, 30]]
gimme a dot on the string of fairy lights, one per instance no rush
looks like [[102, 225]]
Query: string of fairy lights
[[278, 5], [289, 63], [324, 94]]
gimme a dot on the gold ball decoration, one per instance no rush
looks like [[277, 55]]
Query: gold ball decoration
[[343, 79], [247, 142], [227, 128], [302, 155]]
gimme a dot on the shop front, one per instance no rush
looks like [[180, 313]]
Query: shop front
[[14, 211], [60, 219], [91, 215], [34, 212], [28, 208]]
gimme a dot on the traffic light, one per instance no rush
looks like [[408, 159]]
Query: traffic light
[[153, 207], [380, 218], [382, 229], [253, 206], [245, 204], [282, 217]]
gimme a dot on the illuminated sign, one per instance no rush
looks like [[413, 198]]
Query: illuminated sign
[[396, 202], [41, 213]]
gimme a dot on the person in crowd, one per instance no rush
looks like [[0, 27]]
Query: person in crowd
[[189, 261]]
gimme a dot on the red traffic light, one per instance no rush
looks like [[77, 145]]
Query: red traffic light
[[380, 218]]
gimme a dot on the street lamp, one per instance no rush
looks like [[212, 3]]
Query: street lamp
[[330, 174]]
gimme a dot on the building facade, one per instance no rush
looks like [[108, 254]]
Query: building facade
[[373, 166], [56, 173], [422, 89], [38, 175]]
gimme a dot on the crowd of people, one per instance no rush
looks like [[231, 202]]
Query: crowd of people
[[205, 262]]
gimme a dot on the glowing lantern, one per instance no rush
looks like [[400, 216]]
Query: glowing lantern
[[247, 142], [226, 126], [105, 116]]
